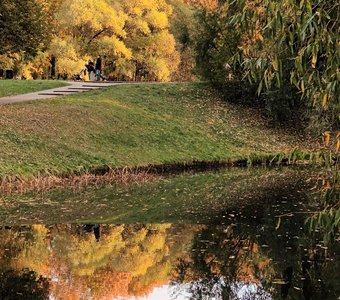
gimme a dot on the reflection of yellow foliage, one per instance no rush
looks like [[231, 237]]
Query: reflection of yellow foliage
[[34, 254], [248, 270], [85, 256], [105, 284], [156, 276], [154, 242], [127, 260]]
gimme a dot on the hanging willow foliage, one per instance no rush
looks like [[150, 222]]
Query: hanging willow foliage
[[298, 40]]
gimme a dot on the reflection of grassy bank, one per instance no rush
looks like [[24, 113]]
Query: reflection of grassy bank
[[188, 198], [131, 126], [17, 87]]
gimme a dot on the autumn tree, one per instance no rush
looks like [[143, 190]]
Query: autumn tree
[[85, 29], [154, 48], [182, 26], [23, 27], [287, 49]]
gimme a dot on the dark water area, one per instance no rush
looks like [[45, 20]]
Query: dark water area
[[242, 234]]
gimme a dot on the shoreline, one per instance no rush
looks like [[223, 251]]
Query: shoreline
[[138, 174]]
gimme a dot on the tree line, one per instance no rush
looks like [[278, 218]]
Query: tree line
[[43, 38], [283, 55]]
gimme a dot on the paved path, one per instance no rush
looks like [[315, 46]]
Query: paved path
[[73, 88]]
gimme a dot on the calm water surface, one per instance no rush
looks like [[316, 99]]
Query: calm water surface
[[239, 234]]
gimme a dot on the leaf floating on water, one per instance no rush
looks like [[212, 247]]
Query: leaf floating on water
[[278, 223], [280, 281]]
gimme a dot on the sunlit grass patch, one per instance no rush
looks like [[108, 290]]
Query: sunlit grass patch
[[17, 87]]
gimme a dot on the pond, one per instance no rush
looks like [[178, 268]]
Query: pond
[[233, 234]]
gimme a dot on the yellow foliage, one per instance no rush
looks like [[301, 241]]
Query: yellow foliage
[[87, 255], [6, 62], [111, 45], [36, 67], [327, 137], [68, 60], [324, 100], [35, 253], [157, 19], [90, 14], [133, 34]]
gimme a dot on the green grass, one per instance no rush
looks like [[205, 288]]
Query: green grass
[[17, 87], [130, 125]]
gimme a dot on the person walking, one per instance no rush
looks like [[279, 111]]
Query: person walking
[[91, 70], [99, 66]]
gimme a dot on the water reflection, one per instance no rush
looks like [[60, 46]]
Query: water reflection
[[189, 198], [168, 261], [231, 235]]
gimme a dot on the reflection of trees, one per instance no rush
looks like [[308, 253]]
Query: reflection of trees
[[28, 245], [83, 254], [251, 255], [220, 260], [34, 253], [25, 285], [256, 255], [328, 218], [127, 260]]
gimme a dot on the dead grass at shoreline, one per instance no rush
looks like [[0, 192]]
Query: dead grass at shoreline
[[45, 183], [127, 175]]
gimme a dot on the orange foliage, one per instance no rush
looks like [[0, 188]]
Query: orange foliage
[[106, 284]]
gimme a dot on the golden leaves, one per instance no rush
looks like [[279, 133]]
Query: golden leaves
[[327, 137], [335, 143], [324, 99]]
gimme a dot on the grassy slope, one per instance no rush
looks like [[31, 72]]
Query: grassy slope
[[127, 126], [17, 87]]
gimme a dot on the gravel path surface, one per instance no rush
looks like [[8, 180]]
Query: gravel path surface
[[73, 88]]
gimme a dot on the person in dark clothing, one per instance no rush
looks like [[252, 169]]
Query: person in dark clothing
[[91, 70], [96, 230], [99, 66]]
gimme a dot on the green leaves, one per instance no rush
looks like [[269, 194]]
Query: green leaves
[[300, 42], [24, 27]]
